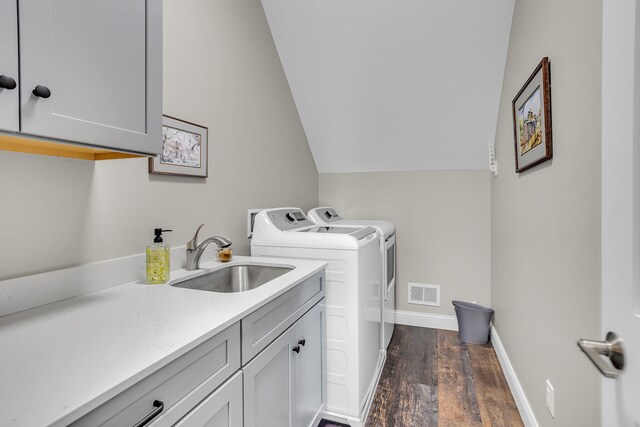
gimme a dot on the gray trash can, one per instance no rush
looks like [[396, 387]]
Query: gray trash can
[[473, 322]]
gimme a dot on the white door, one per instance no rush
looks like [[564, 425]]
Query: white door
[[621, 206], [9, 106], [91, 71]]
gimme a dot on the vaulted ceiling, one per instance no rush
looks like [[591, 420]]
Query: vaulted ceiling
[[392, 85]]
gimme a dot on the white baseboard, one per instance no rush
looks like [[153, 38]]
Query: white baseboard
[[526, 412], [426, 320]]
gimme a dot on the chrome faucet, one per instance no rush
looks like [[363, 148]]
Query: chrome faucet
[[195, 250]]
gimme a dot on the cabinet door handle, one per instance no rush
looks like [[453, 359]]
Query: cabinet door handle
[[7, 82], [41, 91], [296, 349], [159, 407], [302, 342]]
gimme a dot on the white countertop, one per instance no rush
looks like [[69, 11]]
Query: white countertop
[[60, 361]]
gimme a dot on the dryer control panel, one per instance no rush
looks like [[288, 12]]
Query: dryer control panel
[[329, 215], [288, 219]]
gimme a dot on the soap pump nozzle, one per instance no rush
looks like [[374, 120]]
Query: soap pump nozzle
[[158, 235]]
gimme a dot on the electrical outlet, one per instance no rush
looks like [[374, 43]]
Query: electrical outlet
[[549, 399]]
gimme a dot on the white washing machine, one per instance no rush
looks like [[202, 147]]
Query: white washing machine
[[354, 357], [387, 244]]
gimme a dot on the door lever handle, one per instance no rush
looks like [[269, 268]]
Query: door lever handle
[[611, 347]]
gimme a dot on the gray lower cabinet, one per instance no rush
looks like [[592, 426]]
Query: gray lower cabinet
[[283, 385], [308, 365], [267, 385], [222, 408], [90, 71], [170, 393], [269, 321]]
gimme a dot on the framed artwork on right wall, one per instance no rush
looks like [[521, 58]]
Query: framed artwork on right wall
[[532, 119]]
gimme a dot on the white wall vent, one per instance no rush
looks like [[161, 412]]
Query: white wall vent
[[251, 217], [424, 294]]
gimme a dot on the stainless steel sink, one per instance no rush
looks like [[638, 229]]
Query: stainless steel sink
[[234, 278]]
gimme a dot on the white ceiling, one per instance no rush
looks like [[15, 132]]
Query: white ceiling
[[396, 85]]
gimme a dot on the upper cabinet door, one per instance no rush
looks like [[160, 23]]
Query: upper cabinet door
[[9, 83], [91, 72]]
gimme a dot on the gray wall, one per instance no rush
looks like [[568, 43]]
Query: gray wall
[[442, 222], [221, 70], [546, 222]]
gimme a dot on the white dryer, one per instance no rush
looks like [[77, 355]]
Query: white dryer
[[387, 244], [354, 357]]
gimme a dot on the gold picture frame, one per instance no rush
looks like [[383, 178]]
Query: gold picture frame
[[532, 119]]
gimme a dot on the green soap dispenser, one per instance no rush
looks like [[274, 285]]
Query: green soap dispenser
[[158, 255]]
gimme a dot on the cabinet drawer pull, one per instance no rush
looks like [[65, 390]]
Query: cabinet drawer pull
[[41, 91], [296, 349], [7, 82], [159, 407], [302, 342]]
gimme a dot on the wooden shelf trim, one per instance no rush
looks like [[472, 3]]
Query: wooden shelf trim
[[46, 148]]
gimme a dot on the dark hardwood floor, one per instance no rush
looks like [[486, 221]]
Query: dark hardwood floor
[[430, 378]]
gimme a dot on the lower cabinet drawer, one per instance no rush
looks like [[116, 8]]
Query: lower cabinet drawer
[[176, 387], [266, 323], [222, 408]]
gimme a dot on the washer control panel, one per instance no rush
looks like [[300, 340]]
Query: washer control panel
[[288, 219]]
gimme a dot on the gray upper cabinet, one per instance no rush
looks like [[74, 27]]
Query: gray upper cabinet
[[91, 72], [9, 115]]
